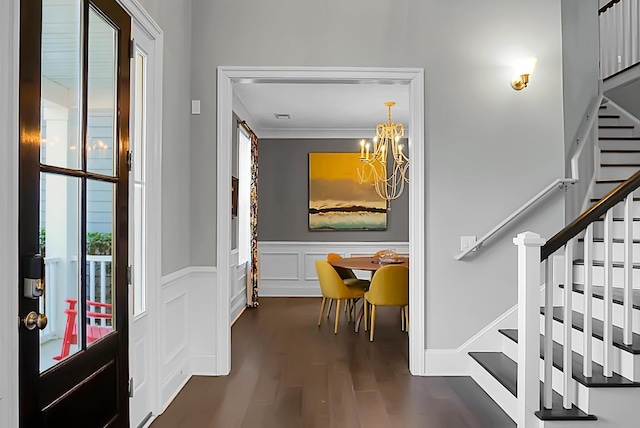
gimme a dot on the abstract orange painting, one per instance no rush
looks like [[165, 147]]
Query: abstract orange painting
[[337, 200]]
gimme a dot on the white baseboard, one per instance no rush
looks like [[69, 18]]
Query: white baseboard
[[456, 362], [174, 383], [203, 365], [287, 269]]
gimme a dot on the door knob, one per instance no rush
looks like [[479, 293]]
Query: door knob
[[33, 320]]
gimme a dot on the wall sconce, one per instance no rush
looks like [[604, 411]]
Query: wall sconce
[[523, 70]]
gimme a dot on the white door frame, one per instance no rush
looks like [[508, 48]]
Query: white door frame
[[9, 144], [412, 77], [153, 188]]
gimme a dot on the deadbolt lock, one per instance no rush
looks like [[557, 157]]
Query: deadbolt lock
[[34, 319]]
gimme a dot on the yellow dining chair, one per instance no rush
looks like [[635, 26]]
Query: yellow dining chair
[[334, 288], [347, 276], [389, 287]]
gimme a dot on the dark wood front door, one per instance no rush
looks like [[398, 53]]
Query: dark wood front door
[[74, 127]]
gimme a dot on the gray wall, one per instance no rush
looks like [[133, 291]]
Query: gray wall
[[580, 71], [627, 97], [488, 148], [283, 195], [174, 18]]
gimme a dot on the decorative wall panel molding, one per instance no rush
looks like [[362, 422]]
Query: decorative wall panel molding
[[287, 269]]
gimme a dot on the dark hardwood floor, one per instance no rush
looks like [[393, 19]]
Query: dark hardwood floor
[[286, 372]]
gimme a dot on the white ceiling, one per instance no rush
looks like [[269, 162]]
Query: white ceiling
[[319, 109]]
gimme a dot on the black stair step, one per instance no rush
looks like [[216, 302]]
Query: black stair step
[[598, 328], [621, 165], [614, 240], [635, 199], [620, 138], [597, 380], [608, 116], [615, 126], [618, 219], [600, 263], [505, 371], [619, 151], [603, 107], [610, 180], [618, 294]]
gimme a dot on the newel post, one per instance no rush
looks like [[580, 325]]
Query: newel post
[[529, 244]]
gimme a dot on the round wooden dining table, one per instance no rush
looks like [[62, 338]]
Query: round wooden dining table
[[366, 263]]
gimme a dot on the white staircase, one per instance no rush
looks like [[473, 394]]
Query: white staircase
[[606, 391]]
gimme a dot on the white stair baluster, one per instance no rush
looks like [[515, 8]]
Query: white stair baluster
[[548, 334], [626, 33], [608, 301], [567, 399], [587, 359], [628, 270], [635, 33]]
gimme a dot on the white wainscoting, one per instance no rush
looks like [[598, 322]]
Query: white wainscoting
[[187, 335], [238, 287], [287, 269]]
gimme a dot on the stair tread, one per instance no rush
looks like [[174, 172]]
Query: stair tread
[[618, 219], [620, 138], [597, 380], [619, 151], [614, 240], [615, 126], [609, 116], [598, 328], [635, 199], [618, 293], [610, 180], [505, 371], [610, 165]]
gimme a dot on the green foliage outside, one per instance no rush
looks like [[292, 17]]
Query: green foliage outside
[[98, 243]]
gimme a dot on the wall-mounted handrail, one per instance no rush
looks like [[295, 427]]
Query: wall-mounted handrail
[[560, 182], [590, 215], [583, 136]]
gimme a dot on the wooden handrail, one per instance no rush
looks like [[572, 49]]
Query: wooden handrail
[[607, 6], [590, 215]]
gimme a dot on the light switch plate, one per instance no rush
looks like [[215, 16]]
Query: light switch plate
[[195, 106], [467, 241]]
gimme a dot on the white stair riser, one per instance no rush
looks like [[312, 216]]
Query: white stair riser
[[597, 306], [618, 229], [619, 144], [580, 392], [622, 172], [609, 121], [598, 276], [494, 389], [630, 157], [618, 210], [615, 132], [618, 251], [623, 363]]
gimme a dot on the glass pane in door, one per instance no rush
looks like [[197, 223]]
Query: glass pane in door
[[101, 96], [100, 252], [59, 244], [61, 84]]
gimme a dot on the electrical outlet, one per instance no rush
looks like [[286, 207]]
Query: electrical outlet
[[467, 241]]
